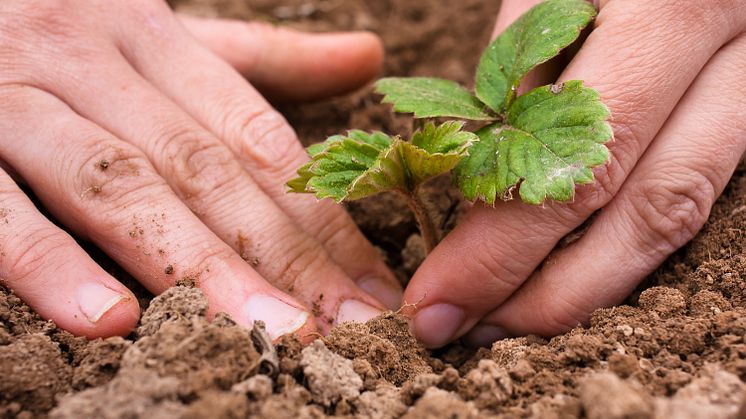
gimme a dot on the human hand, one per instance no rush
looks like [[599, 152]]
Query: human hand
[[672, 74], [138, 138]]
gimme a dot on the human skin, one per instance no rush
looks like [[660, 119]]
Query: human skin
[[138, 130], [672, 74]]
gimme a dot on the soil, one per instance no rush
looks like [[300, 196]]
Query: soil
[[676, 349]]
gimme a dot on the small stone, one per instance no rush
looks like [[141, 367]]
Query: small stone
[[488, 385], [665, 301]]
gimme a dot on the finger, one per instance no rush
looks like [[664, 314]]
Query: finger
[[633, 58], [287, 65], [216, 97], [660, 207], [106, 191], [510, 11], [46, 268], [206, 176]]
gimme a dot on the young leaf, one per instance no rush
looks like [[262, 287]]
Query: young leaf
[[360, 164], [553, 137], [435, 150], [340, 161], [430, 98], [536, 37]]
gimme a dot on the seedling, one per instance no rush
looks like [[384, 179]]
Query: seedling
[[542, 143]]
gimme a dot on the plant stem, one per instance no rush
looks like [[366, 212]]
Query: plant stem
[[429, 232]]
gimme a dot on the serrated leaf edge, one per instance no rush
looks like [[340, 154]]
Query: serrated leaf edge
[[507, 195]]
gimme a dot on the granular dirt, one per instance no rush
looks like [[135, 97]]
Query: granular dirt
[[676, 349]]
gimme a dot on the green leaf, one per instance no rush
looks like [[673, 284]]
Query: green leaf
[[300, 184], [536, 37], [360, 164], [445, 138], [553, 137], [431, 98], [435, 150]]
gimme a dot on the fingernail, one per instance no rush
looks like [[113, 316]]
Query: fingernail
[[385, 292], [484, 335], [279, 317], [356, 311], [437, 324], [95, 300]]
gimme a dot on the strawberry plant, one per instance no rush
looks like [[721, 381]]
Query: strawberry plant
[[541, 143]]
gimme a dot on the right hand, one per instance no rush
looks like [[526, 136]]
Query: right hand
[[139, 138], [671, 72]]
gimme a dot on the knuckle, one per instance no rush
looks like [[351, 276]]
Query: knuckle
[[268, 143], [214, 255], [671, 211], [639, 11], [199, 166], [712, 12], [110, 170], [37, 34], [51, 18], [487, 264]]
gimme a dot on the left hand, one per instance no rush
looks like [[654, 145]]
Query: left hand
[[672, 73], [139, 139]]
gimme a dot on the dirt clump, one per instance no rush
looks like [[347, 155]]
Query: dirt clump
[[330, 377], [716, 394], [488, 385], [131, 394], [178, 304], [100, 362], [605, 395], [33, 373], [440, 403], [387, 345], [187, 346], [381, 403]]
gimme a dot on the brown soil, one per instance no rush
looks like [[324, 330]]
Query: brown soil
[[678, 349]]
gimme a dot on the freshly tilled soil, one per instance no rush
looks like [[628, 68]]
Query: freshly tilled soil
[[676, 349]]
